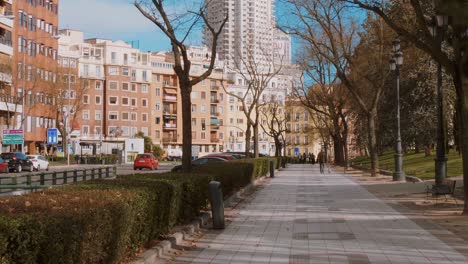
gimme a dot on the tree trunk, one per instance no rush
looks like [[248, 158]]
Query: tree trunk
[[372, 120], [255, 131], [338, 150], [248, 134], [186, 125]]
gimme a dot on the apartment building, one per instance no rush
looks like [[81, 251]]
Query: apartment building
[[7, 99], [34, 69], [116, 79], [208, 105], [301, 135]]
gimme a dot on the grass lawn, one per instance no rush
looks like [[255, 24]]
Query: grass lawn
[[416, 164]]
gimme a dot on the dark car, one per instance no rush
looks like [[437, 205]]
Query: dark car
[[3, 166], [199, 162], [145, 160], [220, 155], [17, 161]]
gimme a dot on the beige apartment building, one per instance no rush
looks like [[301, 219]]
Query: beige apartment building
[[208, 106], [301, 135], [116, 79]]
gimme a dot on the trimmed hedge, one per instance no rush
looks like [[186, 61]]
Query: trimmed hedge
[[107, 221]]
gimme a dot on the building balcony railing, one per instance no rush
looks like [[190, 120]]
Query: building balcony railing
[[10, 99], [214, 88], [5, 46], [170, 98], [214, 140], [169, 86], [214, 101], [169, 139], [214, 113], [170, 113], [170, 126]]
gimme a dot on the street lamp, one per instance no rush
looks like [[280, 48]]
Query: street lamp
[[395, 63], [437, 29]]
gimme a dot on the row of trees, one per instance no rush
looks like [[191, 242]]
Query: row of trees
[[342, 55]]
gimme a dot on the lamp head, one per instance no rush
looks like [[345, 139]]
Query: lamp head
[[392, 64]]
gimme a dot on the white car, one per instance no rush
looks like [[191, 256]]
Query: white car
[[39, 162]]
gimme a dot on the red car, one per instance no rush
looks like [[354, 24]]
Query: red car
[[3, 166], [145, 160]]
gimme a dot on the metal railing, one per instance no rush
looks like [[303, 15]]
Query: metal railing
[[41, 180]]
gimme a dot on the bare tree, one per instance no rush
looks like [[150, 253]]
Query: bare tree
[[178, 28], [275, 124], [257, 74], [327, 98], [331, 34], [67, 91]]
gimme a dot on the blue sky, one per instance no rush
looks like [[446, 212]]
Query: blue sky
[[115, 19]]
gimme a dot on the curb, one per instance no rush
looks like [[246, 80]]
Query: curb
[[183, 232]]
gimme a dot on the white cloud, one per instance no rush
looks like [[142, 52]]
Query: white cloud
[[95, 17]]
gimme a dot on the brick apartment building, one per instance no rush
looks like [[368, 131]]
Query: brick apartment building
[[29, 46]]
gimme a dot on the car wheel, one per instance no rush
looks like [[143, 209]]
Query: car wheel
[[134, 168], [19, 168], [47, 168]]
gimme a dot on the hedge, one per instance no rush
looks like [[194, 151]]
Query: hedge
[[107, 221]]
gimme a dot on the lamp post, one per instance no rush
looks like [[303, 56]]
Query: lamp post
[[437, 28], [395, 62]]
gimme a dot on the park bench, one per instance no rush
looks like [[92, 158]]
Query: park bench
[[446, 188]]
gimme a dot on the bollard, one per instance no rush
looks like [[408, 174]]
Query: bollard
[[272, 169], [217, 204], [114, 172]]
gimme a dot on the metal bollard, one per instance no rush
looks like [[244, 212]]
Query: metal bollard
[[217, 204], [272, 169]]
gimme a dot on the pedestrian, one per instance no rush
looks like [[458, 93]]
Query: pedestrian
[[321, 161], [304, 158], [312, 159]]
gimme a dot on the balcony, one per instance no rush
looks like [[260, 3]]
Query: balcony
[[5, 46], [214, 88], [170, 98], [168, 113], [214, 101], [170, 126], [169, 86], [214, 139], [169, 139], [214, 113]]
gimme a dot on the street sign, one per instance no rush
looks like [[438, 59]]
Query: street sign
[[296, 151], [52, 136], [13, 136]]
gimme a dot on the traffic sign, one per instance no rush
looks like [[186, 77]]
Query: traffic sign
[[296, 151], [52, 136], [13, 136]]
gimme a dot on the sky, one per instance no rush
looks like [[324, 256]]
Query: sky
[[116, 20]]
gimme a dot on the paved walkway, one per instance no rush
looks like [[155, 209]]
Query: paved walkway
[[305, 217]]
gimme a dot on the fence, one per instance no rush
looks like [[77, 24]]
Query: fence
[[35, 181]]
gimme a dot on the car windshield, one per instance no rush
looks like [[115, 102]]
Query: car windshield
[[7, 155]]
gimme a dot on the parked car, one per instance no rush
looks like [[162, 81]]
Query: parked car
[[17, 161], [3, 166], [39, 162], [221, 155], [145, 160], [199, 162]]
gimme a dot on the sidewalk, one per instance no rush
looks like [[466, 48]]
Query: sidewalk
[[305, 217]]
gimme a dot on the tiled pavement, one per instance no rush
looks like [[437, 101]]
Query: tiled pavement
[[302, 216]]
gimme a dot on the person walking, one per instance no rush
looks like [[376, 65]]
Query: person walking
[[321, 161], [312, 158]]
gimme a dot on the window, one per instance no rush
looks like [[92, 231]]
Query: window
[[85, 99], [125, 115], [144, 117], [97, 115], [134, 102], [113, 115], [194, 122], [113, 100], [194, 95], [125, 71], [158, 92], [113, 85], [114, 57], [194, 108], [113, 71], [97, 99], [203, 108], [134, 87], [125, 101], [203, 95], [125, 86], [158, 106], [85, 130], [85, 115], [144, 102], [145, 77], [144, 88], [98, 85], [134, 116], [203, 135]]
